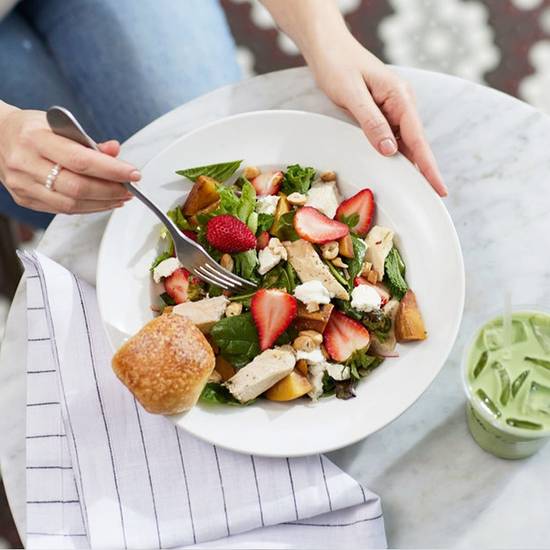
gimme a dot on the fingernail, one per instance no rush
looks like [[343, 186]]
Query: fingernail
[[388, 147], [444, 191], [135, 175]]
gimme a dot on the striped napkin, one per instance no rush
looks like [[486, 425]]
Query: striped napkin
[[103, 473]]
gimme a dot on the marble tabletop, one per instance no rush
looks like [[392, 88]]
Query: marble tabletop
[[438, 488]]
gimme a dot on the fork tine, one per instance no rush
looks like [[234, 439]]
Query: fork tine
[[220, 281], [210, 280], [220, 273], [231, 276]]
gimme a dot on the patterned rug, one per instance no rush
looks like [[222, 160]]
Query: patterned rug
[[502, 43]]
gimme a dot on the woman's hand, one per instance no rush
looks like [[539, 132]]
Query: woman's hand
[[357, 81], [380, 101], [89, 181]]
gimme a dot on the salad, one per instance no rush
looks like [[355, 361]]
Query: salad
[[332, 301]]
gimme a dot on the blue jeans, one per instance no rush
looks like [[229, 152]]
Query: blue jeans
[[117, 64]]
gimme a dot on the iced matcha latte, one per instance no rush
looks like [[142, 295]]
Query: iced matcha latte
[[508, 383]]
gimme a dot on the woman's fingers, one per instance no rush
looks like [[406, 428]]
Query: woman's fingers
[[111, 147], [80, 159], [417, 150], [377, 129]]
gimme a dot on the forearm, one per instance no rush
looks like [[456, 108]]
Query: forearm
[[308, 22]]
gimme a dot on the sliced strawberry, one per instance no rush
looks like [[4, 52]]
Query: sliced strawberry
[[177, 284], [360, 206], [262, 240], [272, 310], [229, 234], [380, 288], [267, 183], [343, 336], [315, 227]]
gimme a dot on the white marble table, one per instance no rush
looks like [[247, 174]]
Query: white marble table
[[438, 488]]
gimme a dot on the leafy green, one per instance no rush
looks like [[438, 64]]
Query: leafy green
[[245, 264], [252, 222], [297, 179], [167, 299], [217, 394], [237, 339], [355, 265], [351, 221], [286, 231], [229, 202], [214, 290], [247, 201], [361, 363], [281, 276], [377, 321], [221, 171], [345, 307], [265, 221], [342, 389], [195, 292], [338, 275], [176, 215], [394, 276], [160, 258], [243, 299]]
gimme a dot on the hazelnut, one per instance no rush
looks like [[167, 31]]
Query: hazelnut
[[330, 250], [250, 172], [328, 176], [317, 337], [233, 309], [297, 199], [215, 376], [304, 343], [227, 261]]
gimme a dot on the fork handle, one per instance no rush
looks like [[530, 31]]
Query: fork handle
[[63, 123]]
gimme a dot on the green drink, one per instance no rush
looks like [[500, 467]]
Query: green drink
[[507, 380]]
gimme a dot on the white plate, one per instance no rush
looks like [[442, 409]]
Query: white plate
[[405, 202]]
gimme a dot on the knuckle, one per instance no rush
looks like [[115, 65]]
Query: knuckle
[[375, 125], [79, 162], [74, 188], [13, 160], [69, 206]]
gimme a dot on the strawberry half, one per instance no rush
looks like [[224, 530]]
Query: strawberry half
[[267, 183], [263, 240], [381, 289], [360, 206], [315, 227], [343, 336], [177, 284], [272, 310], [229, 234]]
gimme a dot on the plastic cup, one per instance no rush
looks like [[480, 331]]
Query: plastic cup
[[489, 432]]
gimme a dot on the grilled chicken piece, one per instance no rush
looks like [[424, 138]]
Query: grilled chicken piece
[[309, 267], [203, 313]]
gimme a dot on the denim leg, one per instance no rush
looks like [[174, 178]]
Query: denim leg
[[29, 79], [131, 61]]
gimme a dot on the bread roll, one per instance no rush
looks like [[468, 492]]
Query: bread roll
[[166, 364]]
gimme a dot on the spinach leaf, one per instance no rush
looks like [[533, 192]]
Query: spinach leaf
[[345, 307], [342, 389], [355, 265], [237, 339], [338, 275], [297, 179], [351, 221], [281, 276], [221, 171], [394, 275], [217, 394], [160, 258], [377, 321], [245, 264], [167, 299], [265, 221], [214, 290], [286, 231]]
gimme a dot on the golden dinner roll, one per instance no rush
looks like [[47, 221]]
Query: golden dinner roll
[[166, 364]]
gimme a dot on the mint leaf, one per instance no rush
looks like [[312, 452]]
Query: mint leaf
[[355, 265], [394, 275], [220, 172], [265, 221], [351, 221], [297, 179]]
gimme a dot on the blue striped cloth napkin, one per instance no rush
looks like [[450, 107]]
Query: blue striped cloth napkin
[[103, 473]]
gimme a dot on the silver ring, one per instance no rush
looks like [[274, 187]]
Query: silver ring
[[52, 176]]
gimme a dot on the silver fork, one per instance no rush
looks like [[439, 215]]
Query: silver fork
[[190, 254]]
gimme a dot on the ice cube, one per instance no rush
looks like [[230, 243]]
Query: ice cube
[[481, 363], [494, 335], [488, 402], [538, 399], [524, 424], [505, 383], [518, 382], [541, 329]]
